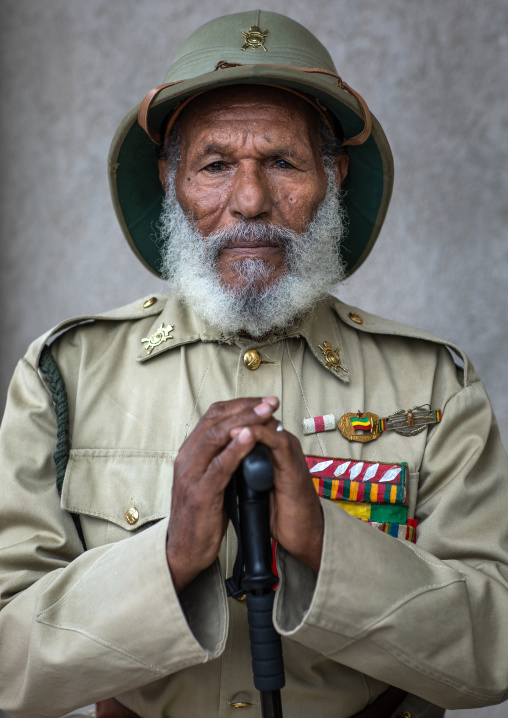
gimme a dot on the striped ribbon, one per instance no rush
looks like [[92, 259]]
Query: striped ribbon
[[358, 492], [373, 492], [319, 423], [405, 532], [358, 481]]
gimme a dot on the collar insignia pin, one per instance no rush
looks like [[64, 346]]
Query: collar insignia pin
[[161, 335], [332, 356], [254, 37]]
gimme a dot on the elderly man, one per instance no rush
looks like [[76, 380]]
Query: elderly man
[[150, 409]]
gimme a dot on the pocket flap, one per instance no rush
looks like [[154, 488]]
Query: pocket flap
[[128, 487]]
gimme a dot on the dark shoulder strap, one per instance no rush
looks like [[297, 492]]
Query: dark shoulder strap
[[55, 382]]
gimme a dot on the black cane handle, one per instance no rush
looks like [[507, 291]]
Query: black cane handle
[[258, 469], [253, 485]]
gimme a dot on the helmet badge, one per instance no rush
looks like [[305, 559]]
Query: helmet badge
[[255, 37]]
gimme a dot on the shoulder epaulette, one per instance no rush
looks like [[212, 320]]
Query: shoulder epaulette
[[145, 307], [371, 324]]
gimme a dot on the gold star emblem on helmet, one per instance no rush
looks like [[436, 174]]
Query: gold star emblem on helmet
[[255, 37]]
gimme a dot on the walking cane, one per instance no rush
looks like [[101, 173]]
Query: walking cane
[[253, 573]]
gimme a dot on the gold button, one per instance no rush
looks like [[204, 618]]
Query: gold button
[[240, 705], [149, 302], [132, 515], [243, 597], [405, 715], [252, 359], [355, 318]]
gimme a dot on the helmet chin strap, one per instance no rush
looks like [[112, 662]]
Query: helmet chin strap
[[145, 107], [158, 138]]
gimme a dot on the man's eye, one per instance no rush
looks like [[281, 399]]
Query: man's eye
[[215, 166], [283, 164]]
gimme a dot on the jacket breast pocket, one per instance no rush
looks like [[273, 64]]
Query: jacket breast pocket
[[116, 492]]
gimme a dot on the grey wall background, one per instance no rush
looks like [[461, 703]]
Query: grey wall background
[[434, 73]]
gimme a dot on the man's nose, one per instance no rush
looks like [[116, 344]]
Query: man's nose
[[251, 195]]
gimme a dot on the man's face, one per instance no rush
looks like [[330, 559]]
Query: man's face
[[250, 154]]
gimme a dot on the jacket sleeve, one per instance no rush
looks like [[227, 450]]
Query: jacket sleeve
[[431, 618], [110, 614]]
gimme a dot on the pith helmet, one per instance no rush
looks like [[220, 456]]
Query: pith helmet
[[256, 47]]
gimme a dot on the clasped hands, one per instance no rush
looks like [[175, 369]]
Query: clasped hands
[[203, 468]]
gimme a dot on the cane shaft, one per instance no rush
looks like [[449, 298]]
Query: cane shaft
[[271, 706]]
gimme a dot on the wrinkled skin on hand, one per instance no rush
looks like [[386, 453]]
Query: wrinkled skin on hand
[[203, 468]]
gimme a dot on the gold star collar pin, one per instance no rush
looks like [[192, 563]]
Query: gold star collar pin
[[158, 337], [332, 357]]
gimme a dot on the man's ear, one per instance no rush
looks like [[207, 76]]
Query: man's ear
[[163, 168], [341, 168]]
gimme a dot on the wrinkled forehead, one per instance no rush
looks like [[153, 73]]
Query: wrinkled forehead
[[251, 103]]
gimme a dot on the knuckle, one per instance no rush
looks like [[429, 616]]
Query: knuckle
[[248, 402], [214, 436], [215, 411], [219, 409]]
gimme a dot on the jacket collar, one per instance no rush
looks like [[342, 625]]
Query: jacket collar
[[319, 328]]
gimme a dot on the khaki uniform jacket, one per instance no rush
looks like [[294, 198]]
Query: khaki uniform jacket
[[76, 627]]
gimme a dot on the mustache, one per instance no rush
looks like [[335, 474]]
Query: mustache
[[254, 232]]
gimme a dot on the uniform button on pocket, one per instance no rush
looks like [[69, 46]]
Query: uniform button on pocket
[[252, 359], [240, 705], [132, 515]]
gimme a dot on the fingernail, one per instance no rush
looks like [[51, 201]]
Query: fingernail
[[271, 400], [263, 409], [244, 436], [234, 432]]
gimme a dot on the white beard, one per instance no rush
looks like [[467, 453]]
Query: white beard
[[257, 307]]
